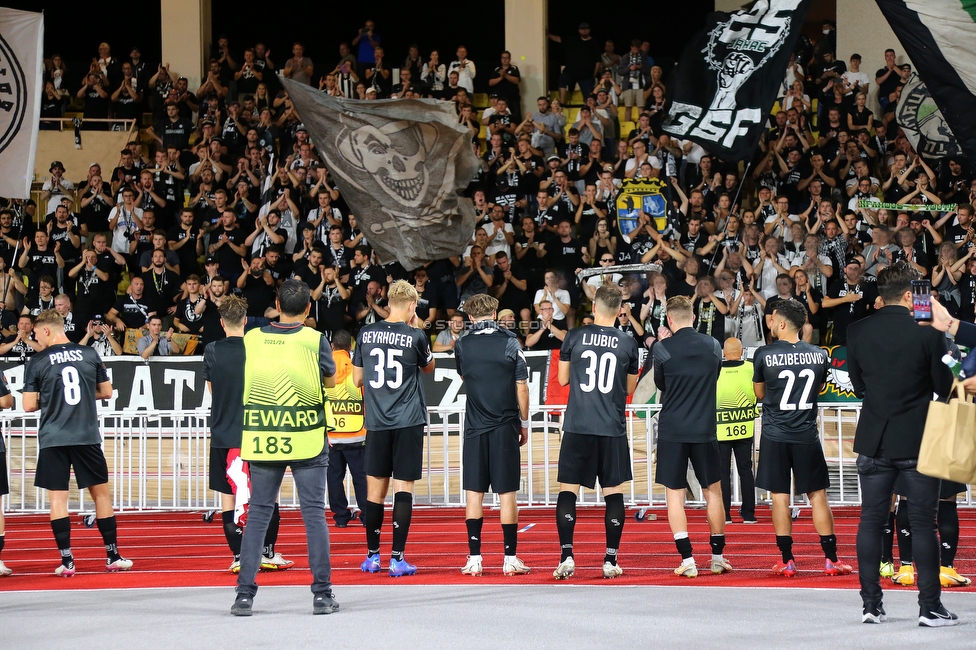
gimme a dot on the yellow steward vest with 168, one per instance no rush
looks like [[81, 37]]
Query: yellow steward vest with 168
[[735, 413], [284, 400]]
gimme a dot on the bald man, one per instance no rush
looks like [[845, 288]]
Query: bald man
[[735, 419]]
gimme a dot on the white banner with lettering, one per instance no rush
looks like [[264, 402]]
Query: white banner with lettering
[[21, 66]]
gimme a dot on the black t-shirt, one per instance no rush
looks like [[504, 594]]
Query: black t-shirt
[[95, 214], [21, 350], [392, 356], [174, 134], [686, 370], [188, 252], [513, 298], [847, 313], [68, 250], [127, 175], [133, 312], [212, 329], [565, 256], [709, 320], [227, 256], [548, 340], [96, 106], [161, 289], [886, 87], [506, 88], [600, 360], [185, 312], [66, 377], [793, 373], [223, 367], [331, 309], [581, 56], [258, 293], [490, 361], [41, 263]]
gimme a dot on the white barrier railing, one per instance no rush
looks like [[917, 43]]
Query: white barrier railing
[[160, 460]]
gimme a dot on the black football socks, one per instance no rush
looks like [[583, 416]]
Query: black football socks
[[613, 521], [233, 533], [474, 535], [566, 522], [62, 537], [107, 527], [402, 513], [373, 521]]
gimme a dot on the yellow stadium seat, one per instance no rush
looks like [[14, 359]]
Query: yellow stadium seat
[[626, 128], [480, 100], [622, 114], [777, 107], [572, 114], [577, 98]]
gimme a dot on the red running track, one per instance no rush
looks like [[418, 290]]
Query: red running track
[[180, 550]]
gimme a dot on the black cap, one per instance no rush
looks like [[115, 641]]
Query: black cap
[[584, 25], [56, 163], [211, 259], [98, 318], [852, 259], [206, 122], [916, 216]]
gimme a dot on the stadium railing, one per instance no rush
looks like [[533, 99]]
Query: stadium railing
[[159, 460]]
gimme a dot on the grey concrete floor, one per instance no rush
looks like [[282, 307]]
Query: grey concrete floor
[[478, 617]]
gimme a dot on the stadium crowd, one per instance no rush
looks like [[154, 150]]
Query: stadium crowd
[[197, 211]]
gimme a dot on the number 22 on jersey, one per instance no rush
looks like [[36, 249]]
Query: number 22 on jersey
[[804, 403]]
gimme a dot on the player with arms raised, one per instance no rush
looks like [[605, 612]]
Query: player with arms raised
[[789, 375], [601, 365], [66, 379], [390, 356]]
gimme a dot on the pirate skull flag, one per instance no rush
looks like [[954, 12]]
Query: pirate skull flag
[[728, 76], [399, 164]]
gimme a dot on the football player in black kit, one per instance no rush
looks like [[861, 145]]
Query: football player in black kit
[[686, 369], [67, 379], [601, 365], [223, 370], [496, 422], [789, 375], [389, 357]]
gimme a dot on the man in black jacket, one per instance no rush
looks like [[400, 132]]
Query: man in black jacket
[[895, 365], [686, 370]]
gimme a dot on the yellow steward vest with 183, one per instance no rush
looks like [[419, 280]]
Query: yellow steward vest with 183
[[284, 400], [735, 413]]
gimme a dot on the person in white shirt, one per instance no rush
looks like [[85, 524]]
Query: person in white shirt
[[855, 81], [796, 98], [125, 221], [768, 267], [778, 223], [639, 158], [56, 187], [501, 235], [594, 282], [558, 297], [794, 72], [465, 68]]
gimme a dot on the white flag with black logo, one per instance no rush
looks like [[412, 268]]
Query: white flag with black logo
[[400, 165], [21, 66]]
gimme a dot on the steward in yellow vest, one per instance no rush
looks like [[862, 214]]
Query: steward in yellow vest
[[287, 368], [735, 420]]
